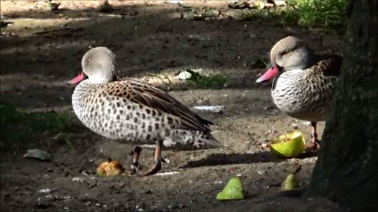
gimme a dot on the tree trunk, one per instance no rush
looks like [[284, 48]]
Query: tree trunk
[[346, 170]]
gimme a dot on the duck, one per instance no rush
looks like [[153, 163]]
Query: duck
[[303, 82], [135, 113]]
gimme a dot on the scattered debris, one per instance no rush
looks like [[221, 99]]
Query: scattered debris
[[215, 109], [260, 5], [166, 173], [279, 3], [175, 1], [104, 7], [77, 179], [259, 63], [38, 154], [65, 31], [240, 5], [200, 14], [187, 74], [184, 75], [112, 168], [46, 190], [307, 123], [250, 152], [197, 37], [52, 5], [251, 4], [5, 24]]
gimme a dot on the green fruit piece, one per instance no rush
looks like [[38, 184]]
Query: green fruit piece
[[232, 191], [100, 173], [290, 183], [290, 145]]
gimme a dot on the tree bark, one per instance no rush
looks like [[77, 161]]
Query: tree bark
[[346, 170]]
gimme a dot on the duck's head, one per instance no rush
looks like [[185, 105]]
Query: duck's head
[[99, 64], [288, 54]]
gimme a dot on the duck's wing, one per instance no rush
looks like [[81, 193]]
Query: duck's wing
[[328, 65], [157, 99]]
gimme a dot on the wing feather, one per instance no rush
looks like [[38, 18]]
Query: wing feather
[[155, 98]]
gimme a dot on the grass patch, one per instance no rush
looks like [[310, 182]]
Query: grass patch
[[327, 14], [208, 81], [318, 13], [18, 126]]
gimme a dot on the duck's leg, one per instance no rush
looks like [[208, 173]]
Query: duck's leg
[[314, 135], [157, 166], [134, 167], [162, 159]]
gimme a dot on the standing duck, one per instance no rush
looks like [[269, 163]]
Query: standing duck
[[303, 82], [133, 112]]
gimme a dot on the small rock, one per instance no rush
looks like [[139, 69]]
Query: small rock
[[250, 152], [307, 123]]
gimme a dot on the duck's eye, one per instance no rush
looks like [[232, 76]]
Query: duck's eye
[[283, 53]]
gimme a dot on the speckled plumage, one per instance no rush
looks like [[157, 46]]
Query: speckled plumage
[[133, 112], [137, 113], [306, 94], [303, 81], [304, 87]]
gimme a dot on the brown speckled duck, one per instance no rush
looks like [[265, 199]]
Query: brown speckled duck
[[133, 112], [303, 82]]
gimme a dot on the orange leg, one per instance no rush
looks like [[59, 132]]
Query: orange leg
[[157, 166], [134, 167]]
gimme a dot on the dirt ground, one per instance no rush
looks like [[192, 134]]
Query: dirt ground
[[42, 50]]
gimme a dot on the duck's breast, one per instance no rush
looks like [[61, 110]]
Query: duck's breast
[[302, 97]]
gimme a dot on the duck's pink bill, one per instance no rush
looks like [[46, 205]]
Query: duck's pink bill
[[77, 79], [270, 74]]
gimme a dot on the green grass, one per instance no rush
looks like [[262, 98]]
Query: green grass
[[209, 81], [18, 126], [327, 14], [318, 13]]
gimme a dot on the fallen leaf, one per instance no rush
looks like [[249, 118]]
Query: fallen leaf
[[38, 154]]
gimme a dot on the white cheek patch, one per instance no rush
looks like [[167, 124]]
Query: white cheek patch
[[96, 79], [296, 71]]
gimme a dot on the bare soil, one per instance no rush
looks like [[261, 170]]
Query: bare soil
[[42, 50]]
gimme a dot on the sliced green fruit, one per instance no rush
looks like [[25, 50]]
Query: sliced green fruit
[[290, 183], [289, 145], [232, 191]]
